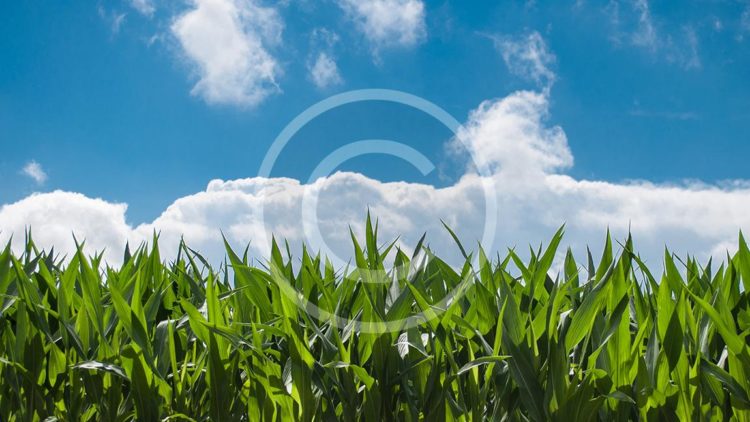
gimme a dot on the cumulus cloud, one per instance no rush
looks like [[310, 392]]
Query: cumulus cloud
[[507, 136], [388, 23], [227, 42], [35, 171], [55, 217], [527, 57], [324, 72], [534, 197]]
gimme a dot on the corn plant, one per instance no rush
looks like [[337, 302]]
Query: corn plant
[[392, 337]]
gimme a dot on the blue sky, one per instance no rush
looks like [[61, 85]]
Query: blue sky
[[112, 100]]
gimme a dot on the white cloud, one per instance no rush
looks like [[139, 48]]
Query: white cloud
[[506, 135], [528, 57], [35, 171], [323, 38], [645, 34], [690, 59], [510, 134], [637, 26], [144, 7], [114, 19], [324, 72], [227, 41], [717, 24], [117, 21], [388, 23], [669, 115], [56, 216]]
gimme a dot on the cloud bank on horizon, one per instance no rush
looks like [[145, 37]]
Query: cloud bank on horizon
[[527, 157], [534, 199]]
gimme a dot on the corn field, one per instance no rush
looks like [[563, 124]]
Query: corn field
[[501, 338]]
